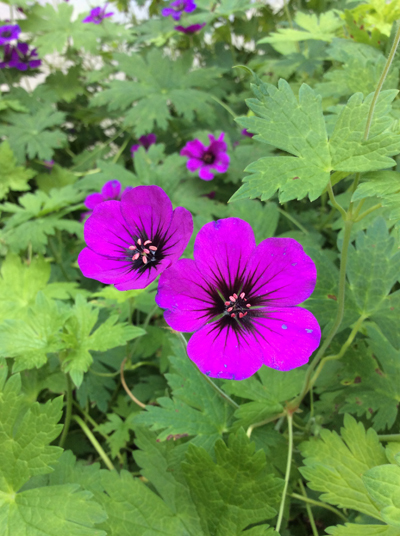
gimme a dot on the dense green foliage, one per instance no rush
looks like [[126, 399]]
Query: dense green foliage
[[315, 450]]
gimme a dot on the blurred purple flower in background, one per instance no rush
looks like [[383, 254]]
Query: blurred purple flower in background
[[144, 141], [213, 157], [97, 15], [48, 164], [245, 132], [177, 7], [111, 190], [240, 301], [133, 240], [8, 33], [20, 57], [190, 29]]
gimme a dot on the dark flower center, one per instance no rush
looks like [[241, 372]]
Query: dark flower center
[[237, 306], [143, 253], [208, 157], [7, 33]]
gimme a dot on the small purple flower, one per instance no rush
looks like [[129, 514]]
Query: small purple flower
[[8, 33], [133, 240], [97, 15], [206, 158], [245, 132], [190, 29], [144, 141], [20, 57], [111, 190], [240, 301], [49, 164], [177, 7]]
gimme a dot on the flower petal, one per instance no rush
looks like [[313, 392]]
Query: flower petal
[[222, 163], [287, 336], [93, 200], [105, 269], [193, 149], [279, 270], [183, 292], [147, 209], [111, 189], [178, 234], [106, 231], [206, 174], [222, 249], [222, 353], [193, 164]]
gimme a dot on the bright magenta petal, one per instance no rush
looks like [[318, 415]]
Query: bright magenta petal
[[104, 269], [106, 231], [279, 270], [222, 249], [183, 292]]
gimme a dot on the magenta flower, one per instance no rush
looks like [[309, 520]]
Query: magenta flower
[[177, 7], [20, 57], [240, 300], [97, 15], [8, 33], [133, 240], [207, 158], [144, 141], [48, 164], [245, 132], [190, 29]]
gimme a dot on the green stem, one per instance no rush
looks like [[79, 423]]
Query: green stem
[[389, 437], [130, 367], [98, 149], [287, 474], [381, 82], [227, 108], [293, 220], [95, 443], [58, 260], [262, 423], [209, 380], [334, 202], [68, 413], [367, 212], [309, 511], [121, 150], [339, 314], [320, 504]]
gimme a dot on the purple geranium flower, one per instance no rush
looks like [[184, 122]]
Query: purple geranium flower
[[245, 132], [8, 33], [144, 141], [207, 158], [97, 15], [177, 7], [240, 300], [48, 164], [190, 29], [20, 57], [133, 240], [111, 190]]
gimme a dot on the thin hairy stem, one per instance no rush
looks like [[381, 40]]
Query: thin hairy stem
[[121, 150], [293, 220], [287, 474], [309, 511], [68, 413], [209, 380], [334, 202], [127, 390], [321, 505], [95, 443], [262, 423], [389, 437], [367, 212], [225, 106]]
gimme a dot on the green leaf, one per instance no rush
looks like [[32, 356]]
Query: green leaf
[[30, 340], [236, 490], [195, 409], [26, 432], [160, 83], [349, 150], [350, 529], [118, 431], [322, 28], [335, 465], [383, 485], [30, 134], [373, 267], [12, 177], [66, 86], [386, 186], [262, 218], [296, 127], [80, 338]]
